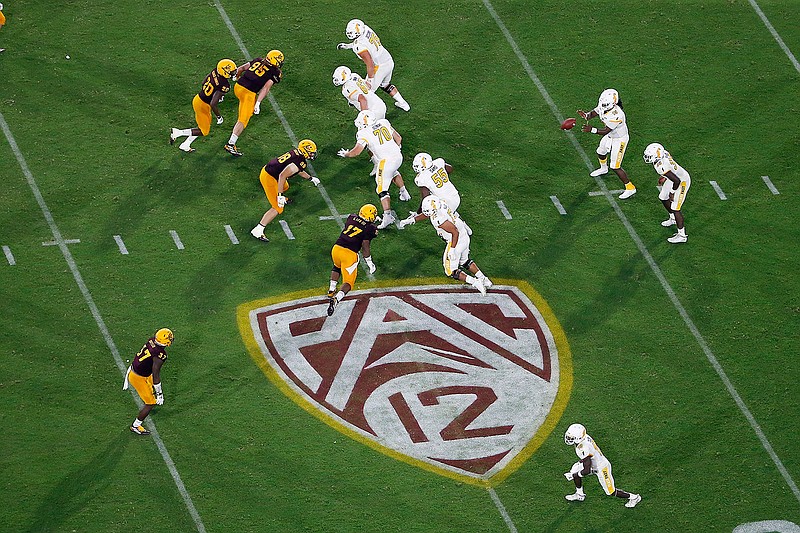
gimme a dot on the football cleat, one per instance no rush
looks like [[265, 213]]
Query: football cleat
[[388, 218], [627, 193], [262, 237], [403, 105], [487, 282], [633, 500], [139, 430], [188, 150], [173, 134], [669, 222], [231, 149], [332, 306], [677, 238], [599, 172], [331, 294], [478, 284], [577, 497]]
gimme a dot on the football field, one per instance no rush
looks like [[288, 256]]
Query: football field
[[420, 405]]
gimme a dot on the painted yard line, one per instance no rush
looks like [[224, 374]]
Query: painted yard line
[[603, 192], [87, 296], [231, 234], [500, 507], [558, 205], [176, 239], [66, 241], [9, 256], [503, 209], [718, 190], [122, 248], [287, 230], [332, 217], [712, 359], [774, 33], [770, 186], [287, 128]]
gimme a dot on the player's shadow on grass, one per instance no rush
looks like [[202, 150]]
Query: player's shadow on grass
[[77, 490]]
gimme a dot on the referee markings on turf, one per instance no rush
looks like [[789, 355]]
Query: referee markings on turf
[[9, 256], [231, 234], [701, 341], [718, 190], [176, 239], [770, 186], [503, 209], [287, 230], [286, 127], [774, 33], [87, 296], [66, 241], [558, 205], [122, 248]]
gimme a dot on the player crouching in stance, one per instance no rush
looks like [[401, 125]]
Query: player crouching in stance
[[615, 137], [592, 461], [675, 183], [145, 375], [274, 180], [455, 233], [358, 231], [214, 88]]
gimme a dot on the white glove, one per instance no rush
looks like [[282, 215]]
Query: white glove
[[370, 265], [281, 200], [569, 476], [222, 97], [257, 108], [344, 46], [233, 78], [220, 120], [159, 394], [315, 181], [406, 222], [342, 152]]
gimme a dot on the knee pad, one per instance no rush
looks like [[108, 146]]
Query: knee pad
[[337, 270], [468, 263], [383, 194], [388, 89]]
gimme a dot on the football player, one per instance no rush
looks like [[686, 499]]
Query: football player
[[433, 177], [145, 375], [358, 231], [384, 143], [255, 79], [615, 137], [275, 181], [214, 87], [675, 183], [592, 461], [455, 232], [367, 46], [357, 94]]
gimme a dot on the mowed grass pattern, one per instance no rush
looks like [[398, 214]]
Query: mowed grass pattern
[[706, 79]]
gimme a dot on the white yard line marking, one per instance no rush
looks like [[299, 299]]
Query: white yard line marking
[[9, 256], [231, 234], [287, 230], [87, 296], [558, 205], [502, 509], [603, 193], [332, 217], [121, 244], [650, 261], [503, 209], [286, 127], [66, 241], [176, 239], [774, 33], [718, 190], [769, 185]]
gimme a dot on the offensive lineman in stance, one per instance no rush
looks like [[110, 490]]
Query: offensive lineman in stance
[[358, 231], [592, 461], [145, 375]]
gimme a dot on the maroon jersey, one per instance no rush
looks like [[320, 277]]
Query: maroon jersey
[[213, 83], [258, 74], [356, 231], [143, 362], [276, 166]]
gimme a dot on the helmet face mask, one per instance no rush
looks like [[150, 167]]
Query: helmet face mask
[[421, 161], [308, 148], [575, 434], [275, 58], [653, 153], [355, 28], [341, 75], [430, 204], [226, 68], [164, 337], [364, 119], [368, 212]]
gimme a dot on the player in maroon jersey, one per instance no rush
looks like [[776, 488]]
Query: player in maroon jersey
[[358, 231], [145, 375]]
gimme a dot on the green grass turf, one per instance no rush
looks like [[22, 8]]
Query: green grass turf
[[704, 78]]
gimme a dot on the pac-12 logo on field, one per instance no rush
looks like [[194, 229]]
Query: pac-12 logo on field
[[465, 385]]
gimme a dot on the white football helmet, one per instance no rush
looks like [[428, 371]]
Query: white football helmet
[[431, 204], [608, 99], [341, 75], [354, 29], [421, 162], [653, 153], [364, 119], [575, 434]]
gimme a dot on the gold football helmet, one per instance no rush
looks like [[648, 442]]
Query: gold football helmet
[[275, 58], [368, 212], [308, 148], [226, 68], [164, 337]]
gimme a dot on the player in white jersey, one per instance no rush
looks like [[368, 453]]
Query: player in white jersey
[[357, 94], [433, 177], [384, 143], [367, 46], [455, 232], [615, 137], [592, 461], [675, 183]]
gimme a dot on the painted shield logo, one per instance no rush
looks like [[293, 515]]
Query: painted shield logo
[[465, 385]]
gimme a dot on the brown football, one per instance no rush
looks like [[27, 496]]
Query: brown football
[[568, 124]]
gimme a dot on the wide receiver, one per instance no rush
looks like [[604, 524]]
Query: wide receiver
[[675, 183], [145, 375], [592, 461]]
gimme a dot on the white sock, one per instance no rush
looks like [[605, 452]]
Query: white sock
[[137, 423], [479, 275], [399, 98], [339, 296], [682, 232], [580, 491], [188, 142], [185, 133], [332, 286], [233, 139], [258, 231], [470, 279]]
